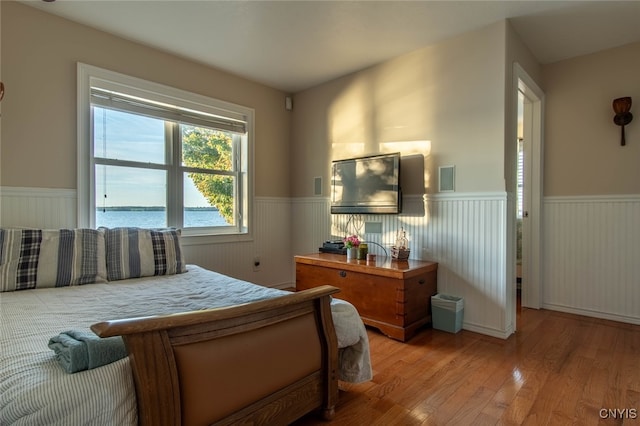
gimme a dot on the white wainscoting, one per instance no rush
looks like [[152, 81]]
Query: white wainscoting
[[37, 207], [271, 243], [591, 256], [591, 246], [464, 233], [56, 208]]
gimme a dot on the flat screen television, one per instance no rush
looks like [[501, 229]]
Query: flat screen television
[[366, 185]]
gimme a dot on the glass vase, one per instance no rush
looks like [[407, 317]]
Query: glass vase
[[352, 253]]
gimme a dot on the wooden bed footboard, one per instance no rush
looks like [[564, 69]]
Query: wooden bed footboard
[[266, 362]]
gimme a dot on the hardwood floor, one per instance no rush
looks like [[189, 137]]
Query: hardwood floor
[[558, 369]]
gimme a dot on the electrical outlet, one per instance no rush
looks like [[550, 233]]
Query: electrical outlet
[[256, 264]]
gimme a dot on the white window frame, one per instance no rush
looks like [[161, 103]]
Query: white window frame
[[88, 75]]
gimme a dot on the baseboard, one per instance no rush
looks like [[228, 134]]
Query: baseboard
[[500, 334], [591, 313]]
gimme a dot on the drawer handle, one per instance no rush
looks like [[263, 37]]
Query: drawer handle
[[422, 281], [342, 273]]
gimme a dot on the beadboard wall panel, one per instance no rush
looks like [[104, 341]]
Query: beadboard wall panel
[[56, 208], [592, 256], [464, 233], [590, 246], [37, 207], [310, 223], [271, 243]]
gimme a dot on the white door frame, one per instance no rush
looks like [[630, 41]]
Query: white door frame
[[532, 268]]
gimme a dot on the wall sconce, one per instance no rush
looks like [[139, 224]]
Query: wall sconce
[[1, 90], [621, 106]]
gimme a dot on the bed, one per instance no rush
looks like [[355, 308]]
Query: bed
[[203, 347]]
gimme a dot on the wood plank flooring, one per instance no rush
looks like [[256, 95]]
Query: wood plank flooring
[[558, 369]]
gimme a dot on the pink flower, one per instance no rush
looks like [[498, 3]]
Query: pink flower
[[351, 241]]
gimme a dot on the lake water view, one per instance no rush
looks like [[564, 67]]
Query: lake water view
[[156, 218]]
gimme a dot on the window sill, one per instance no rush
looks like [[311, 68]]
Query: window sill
[[194, 239]]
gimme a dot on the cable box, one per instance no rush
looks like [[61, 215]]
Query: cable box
[[333, 250], [333, 246]]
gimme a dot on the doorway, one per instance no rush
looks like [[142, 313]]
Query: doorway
[[530, 101]]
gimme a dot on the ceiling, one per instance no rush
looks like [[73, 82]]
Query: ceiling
[[294, 45]]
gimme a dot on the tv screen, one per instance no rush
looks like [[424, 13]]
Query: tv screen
[[366, 185]]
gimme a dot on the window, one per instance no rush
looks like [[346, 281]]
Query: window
[[154, 156]]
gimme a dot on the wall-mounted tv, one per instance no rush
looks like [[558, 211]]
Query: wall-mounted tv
[[366, 185]]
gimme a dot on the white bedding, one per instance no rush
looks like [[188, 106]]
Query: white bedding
[[34, 389]]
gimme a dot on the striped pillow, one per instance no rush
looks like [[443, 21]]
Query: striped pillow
[[41, 258], [139, 252]]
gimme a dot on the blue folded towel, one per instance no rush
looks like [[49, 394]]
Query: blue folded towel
[[78, 350]]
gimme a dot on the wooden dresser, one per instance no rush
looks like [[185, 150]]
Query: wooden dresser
[[392, 296]]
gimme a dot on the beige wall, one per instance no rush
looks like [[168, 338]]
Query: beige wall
[[39, 56], [443, 103], [446, 104], [518, 53], [583, 155], [0, 80]]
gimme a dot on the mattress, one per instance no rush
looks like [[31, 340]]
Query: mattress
[[34, 389]]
